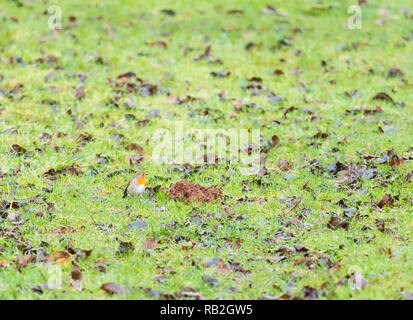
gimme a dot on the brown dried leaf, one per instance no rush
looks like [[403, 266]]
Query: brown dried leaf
[[387, 200], [150, 243], [383, 96], [60, 257], [23, 261], [336, 222], [114, 288]]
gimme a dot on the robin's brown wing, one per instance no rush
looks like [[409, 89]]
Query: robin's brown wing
[[125, 193]]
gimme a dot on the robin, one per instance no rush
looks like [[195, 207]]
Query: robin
[[136, 185]]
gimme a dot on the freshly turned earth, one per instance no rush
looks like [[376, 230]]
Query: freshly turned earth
[[188, 191]]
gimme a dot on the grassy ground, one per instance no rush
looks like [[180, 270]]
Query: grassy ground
[[81, 208]]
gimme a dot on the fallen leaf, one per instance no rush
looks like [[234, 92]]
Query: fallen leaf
[[60, 257], [336, 222], [190, 294], [126, 247], [25, 260], [77, 276], [114, 288], [383, 96], [16, 149], [380, 224], [387, 200], [358, 281], [150, 243], [395, 72], [284, 165], [310, 293], [213, 282], [221, 73], [159, 43], [168, 12], [141, 224]]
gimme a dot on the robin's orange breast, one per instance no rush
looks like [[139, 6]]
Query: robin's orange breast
[[141, 181]]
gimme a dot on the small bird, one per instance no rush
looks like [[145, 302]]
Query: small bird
[[136, 185]]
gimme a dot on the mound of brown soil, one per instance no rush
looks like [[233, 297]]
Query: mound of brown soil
[[188, 191]]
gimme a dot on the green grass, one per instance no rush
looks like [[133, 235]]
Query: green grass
[[111, 38]]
